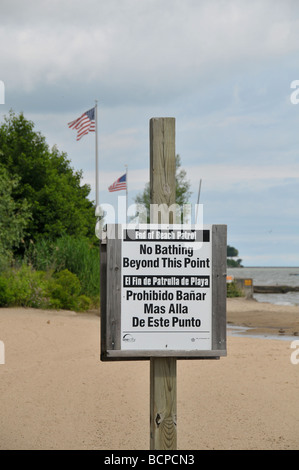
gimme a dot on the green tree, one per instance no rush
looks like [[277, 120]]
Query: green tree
[[182, 188], [232, 252], [14, 217], [183, 192], [53, 190]]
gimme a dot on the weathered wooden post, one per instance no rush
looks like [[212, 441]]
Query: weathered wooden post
[[163, 433], [163, 289]]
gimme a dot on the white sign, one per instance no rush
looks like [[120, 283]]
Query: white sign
[[166, 298]]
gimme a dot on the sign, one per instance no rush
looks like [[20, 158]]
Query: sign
[[163, 292], [166, 278]]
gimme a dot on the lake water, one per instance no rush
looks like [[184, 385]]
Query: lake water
[[243, 331], [271, 277]]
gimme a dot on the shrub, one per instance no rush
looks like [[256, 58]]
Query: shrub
[[5, 260], [83, 303], [233, 291], [24, 287], [77, 255], [5, 294], [65, 291]]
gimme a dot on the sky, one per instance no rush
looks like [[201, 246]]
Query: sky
[[222, 69]]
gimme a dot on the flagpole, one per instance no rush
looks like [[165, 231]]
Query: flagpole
[[96, 153], [126, 193]]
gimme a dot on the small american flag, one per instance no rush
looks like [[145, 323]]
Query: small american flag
[[119, 184], [84, 124]]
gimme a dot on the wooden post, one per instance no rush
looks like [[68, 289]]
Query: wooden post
[[163, 433]]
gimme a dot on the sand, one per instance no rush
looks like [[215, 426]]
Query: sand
[[56, 394], [263, 318]]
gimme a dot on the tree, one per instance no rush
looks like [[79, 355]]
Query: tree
[[232, 253], [183, 192], [57, 200], [14, 218], [182, 188]]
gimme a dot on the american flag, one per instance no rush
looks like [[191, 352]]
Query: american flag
[[119, 184], [84, 124]]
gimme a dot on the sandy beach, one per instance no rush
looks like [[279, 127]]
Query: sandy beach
[[263, 318], [56, 394]]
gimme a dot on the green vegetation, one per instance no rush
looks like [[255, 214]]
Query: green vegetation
[[49, 255], [14, 217], [52, 190], [233, 253], [77, 255], [26, 287], [233, 291]]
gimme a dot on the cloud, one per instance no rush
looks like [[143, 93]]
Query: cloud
[[139, 51], [226, 176], [222, 68]]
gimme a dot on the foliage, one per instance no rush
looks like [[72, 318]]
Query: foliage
[[234, 263], [77, 255], [183, 192], [233, 291], [26, 287], [14, 217], [46, 224], [232, 253], [53, 190], [5, 294], [65, 290]]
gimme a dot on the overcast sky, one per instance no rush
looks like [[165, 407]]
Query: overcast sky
[[222, 68]]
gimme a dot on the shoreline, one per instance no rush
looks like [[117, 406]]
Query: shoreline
[[263, 317]]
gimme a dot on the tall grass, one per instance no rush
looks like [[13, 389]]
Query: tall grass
[[77, 255]]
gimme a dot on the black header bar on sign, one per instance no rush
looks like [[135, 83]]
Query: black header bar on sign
[[160, 235], [166, 281]]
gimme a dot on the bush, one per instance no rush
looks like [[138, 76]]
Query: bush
[[5, 294], [77, 255], [233, 291], [5, 260], [65, 291], [26, 287]]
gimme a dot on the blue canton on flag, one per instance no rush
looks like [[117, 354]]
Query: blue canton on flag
[[119, 184], [84, 124]]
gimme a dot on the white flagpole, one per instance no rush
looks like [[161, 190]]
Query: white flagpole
[[126, 193], [96, 156]]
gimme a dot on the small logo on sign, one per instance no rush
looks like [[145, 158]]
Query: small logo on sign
[[195, 339], [128, 338]]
